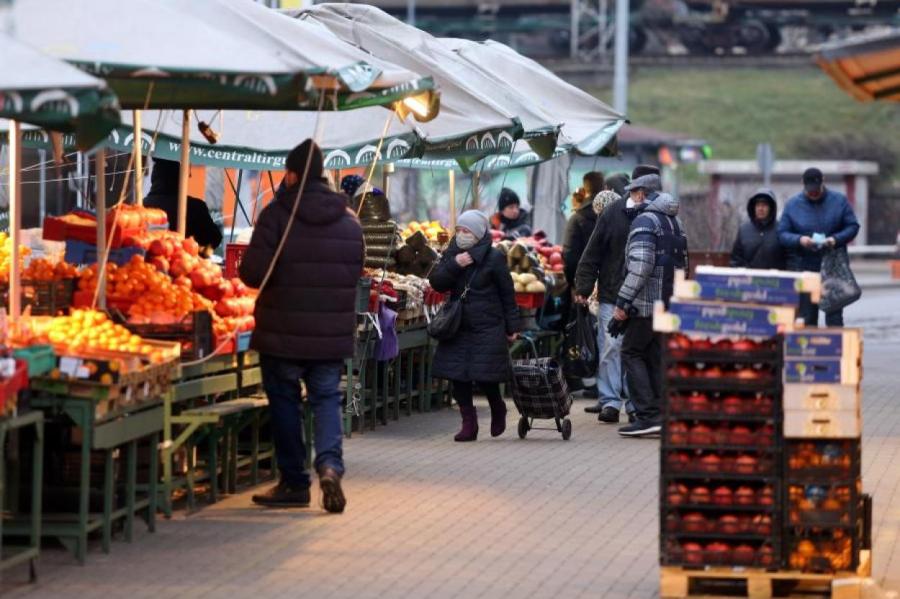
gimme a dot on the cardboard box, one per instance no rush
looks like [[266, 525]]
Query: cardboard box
[[719, 318], [824, 343], [739, 285], [838, 424], [771, 282], [816, 398], [822, 370]]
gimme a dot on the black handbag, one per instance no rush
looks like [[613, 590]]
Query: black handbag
[[839, 286], [445, 324]]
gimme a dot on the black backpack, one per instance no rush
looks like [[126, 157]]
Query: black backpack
[[671, 253]]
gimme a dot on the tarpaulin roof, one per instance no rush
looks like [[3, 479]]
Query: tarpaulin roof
[[203, 54], [492, 113], [46, 92], [867, 67]]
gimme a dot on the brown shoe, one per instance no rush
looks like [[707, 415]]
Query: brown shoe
[[333, 499], [283, 495]]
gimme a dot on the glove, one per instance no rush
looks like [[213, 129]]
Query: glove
[[616, 327]]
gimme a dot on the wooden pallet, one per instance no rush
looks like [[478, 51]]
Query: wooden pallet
[[676, 582]]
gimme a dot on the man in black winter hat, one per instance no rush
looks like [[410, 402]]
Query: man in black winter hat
[[305, 321], [510, 218]]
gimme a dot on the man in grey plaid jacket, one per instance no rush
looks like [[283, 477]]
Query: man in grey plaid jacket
[[657, 246]]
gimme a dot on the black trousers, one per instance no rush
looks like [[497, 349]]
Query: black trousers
[[810, 314], [464, 391], [642, 363]]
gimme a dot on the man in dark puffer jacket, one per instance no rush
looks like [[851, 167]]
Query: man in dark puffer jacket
[[305, 321]]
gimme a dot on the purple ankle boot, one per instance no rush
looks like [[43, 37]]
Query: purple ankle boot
[[498, 416], [469, 430]]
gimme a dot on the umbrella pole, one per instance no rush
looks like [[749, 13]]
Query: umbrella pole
[[100, 158], [387, 170], [184, 171], [15, 218], [452, 174], [138, 160]]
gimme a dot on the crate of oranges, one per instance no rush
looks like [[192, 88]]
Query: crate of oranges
[[99, 359]]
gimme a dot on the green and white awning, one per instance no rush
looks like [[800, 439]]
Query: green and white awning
[[43, 91], [211, 54]]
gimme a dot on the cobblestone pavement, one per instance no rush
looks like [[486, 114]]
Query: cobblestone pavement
[[497, 518]]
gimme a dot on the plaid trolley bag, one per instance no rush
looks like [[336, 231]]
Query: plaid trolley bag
[[540, 391]]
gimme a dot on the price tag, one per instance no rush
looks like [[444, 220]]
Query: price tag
[[7, 367], [128, 394], [146, 389], [69, 366]]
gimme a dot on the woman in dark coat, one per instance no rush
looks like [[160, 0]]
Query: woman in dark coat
[[757, 244], [490, 319]]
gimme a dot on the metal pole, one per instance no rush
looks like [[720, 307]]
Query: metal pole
[[15, 218], [184, 171], [452, 175], [411, 12], [42, 174], [620, 79], [100, 158], [574, 33], [386, 171], [476, 179], [138, 160]]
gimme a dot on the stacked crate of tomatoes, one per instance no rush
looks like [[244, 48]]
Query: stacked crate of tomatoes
[[721, 484]]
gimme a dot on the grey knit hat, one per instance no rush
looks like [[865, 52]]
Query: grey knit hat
[[475, 221], [604, 199]]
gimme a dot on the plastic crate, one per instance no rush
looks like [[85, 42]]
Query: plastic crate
[[194, 333], [822, 461], [530, 301], [39, 358], [46, 298], [234, 253], [79, 252]]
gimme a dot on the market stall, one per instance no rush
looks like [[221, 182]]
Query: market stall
[[146, 337]]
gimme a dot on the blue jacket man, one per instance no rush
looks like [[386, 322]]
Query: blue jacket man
[[813, 221]]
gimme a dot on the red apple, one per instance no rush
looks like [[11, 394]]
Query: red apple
[[160, 263], [191, 246]]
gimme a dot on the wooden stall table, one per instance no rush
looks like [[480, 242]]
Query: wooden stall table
[[12, 555]]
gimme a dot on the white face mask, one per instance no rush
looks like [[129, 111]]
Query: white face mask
[[465, 240]]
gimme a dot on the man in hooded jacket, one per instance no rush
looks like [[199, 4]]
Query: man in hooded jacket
[[305, 321], [757, 244], [657, 246]]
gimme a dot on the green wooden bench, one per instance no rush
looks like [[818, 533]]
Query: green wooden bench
[[206, 405]]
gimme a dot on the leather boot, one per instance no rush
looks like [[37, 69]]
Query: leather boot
[[469, 430], [498, 416]]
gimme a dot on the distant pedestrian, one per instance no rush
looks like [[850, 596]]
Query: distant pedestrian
[[479, 353], [602, 266], [657, 246], [305, 322], [581, 224], [814, 220], [510, 218], [757, 244]]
